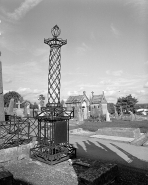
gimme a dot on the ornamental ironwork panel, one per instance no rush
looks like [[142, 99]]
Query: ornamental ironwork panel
[[16, 131], [54, 74]]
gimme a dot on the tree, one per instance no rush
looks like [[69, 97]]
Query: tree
[[110, 107], [12, 94], [127, 103], [35, 106]]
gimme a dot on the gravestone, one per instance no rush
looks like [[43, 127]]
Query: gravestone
[[80, 115], [19, 111], [107, 117], [10, 108], [27, 109], [104, 108], [132, 116], [2, 114]]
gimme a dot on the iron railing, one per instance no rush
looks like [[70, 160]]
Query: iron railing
[[51, 130], [16, 131]]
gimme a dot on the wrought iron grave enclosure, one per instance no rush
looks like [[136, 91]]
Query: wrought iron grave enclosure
[[53, 126], [53, 136]]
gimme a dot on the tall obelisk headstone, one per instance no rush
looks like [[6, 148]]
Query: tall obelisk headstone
[[11, 106], [2, 113]]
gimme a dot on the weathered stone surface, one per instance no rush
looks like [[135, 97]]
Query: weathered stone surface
[[120, 132], [10, 108], [104, 174], [14, 152], [140, 141]]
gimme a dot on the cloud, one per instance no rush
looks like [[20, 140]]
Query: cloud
[[81, 50], [23, 9], [146, 85], [31, 94], [140, 9], [114, 73], [8, 81], [89, 85], [92, 36], [69, 93], [115, 31], [39, 51]]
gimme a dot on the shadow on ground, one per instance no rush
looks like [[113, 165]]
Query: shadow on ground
[[100, 151], [91, 153], [21, 182]]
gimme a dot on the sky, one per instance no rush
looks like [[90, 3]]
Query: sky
[[106, 50]]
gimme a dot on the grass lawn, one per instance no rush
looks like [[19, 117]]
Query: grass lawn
[[94, 126]]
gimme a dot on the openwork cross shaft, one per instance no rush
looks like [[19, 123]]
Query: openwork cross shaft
[[54, 75]]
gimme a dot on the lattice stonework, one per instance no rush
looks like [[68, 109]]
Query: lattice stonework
[[54, 74]]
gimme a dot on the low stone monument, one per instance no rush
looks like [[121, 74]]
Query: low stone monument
[[119, 132]]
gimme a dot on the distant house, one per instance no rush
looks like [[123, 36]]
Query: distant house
[[98, 104], [79, 102]]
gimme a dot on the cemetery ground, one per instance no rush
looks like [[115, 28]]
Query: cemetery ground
[[132, 161], [94, 126]]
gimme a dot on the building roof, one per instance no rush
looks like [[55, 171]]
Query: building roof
[[75, 99], [96, 99]]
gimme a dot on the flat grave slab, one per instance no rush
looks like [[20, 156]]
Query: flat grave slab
[[103, 174], [119, 132]]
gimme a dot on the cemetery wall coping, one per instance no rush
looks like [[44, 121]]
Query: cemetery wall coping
[[16, 153]]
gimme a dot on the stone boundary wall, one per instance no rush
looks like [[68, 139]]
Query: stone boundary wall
[[16, 153]]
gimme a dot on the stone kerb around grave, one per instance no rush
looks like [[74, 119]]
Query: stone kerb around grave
[[16, 153], [120, 132]]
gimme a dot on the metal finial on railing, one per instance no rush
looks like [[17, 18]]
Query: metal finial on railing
[[55, 31]]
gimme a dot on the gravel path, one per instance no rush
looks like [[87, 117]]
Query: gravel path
[[28, 172]]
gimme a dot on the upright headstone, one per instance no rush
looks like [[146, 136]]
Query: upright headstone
[[10, 108], [2, 113], [19, 111], [132, 116], [116, 113], [107, 117], [27, 109], [104, 108], [39, 107]]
